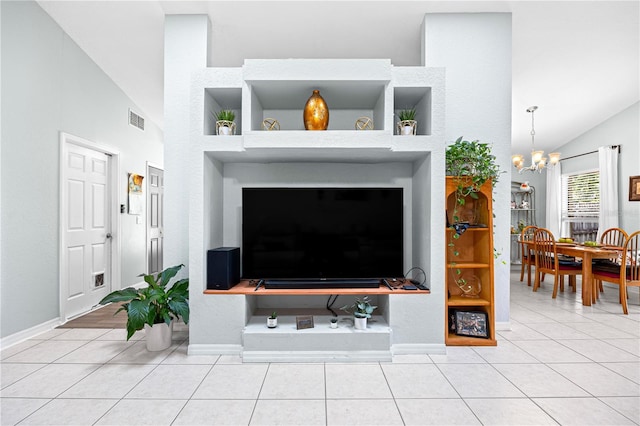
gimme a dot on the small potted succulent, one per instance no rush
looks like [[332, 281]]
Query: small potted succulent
[[225, 124], [362, 310], [272, 320], [333, 322], [407, 124]]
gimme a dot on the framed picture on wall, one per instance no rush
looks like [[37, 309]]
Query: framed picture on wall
[[634, 188]]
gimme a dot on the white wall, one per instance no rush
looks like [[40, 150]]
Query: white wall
[[621, 129], [186, 40], [475, 48], [50, 85]]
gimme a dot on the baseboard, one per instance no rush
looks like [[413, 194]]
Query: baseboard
[[503, 325], [419, 348], [316, 356], [213, 349], [29, 333]]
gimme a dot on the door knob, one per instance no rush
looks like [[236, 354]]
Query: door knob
[[109, 236]]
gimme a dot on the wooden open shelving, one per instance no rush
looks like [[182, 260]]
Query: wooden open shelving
[[471, 254]]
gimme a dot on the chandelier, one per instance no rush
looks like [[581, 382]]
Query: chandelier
[[538, 162]]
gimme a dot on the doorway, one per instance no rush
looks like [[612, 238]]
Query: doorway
[[89, 256], [155, 218]]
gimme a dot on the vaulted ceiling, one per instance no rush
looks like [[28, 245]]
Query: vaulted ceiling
[[579, 61]]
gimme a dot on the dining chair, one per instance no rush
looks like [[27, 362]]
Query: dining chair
[[548, 262], [626, 273], [527, 258], [610, 237]]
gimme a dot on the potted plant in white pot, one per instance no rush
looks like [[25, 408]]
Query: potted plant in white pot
[[272, 321], [154, 307], [333, 322], [407, 124], [225, 124], [362, 310]]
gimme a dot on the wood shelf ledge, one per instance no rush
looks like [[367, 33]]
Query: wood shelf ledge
[[247, 288]]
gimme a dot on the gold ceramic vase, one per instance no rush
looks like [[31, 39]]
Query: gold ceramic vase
[[316, 113]]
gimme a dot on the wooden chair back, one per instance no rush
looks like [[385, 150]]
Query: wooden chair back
[[545, 251], [631, 260], [614, 237], [547, 262], [526, 252], [629, 269]]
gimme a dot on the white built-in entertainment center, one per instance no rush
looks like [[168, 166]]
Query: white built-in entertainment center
[[341, 156]]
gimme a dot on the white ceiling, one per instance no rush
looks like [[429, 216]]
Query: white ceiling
[[577, 60]]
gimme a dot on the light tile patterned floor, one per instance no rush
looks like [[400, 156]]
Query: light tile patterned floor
[[561, 363]]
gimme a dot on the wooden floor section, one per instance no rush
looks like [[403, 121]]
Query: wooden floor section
[[100, 318]]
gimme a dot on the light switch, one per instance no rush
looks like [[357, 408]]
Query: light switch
[[139, 219]]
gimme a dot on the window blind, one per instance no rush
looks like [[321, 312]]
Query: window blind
[[583, 195]]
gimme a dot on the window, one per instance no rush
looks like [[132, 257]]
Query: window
[[581, 205]]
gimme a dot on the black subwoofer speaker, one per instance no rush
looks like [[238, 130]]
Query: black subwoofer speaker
[[223, 268]]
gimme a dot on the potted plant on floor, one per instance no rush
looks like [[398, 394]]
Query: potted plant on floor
[[407, 124], [225, 124], [154, 307], [362, 310]]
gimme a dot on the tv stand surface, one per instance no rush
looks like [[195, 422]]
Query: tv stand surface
[[248, 288], [321, 283]]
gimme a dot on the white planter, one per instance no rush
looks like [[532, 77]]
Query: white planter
[[158, 337], [224, 127], [333, 324], [360, 323], [272, 322], [407, 127]]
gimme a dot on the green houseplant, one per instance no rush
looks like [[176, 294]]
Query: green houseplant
[[157, 303], [407, 124], [272, 320], [361, 310], [407, 114], [225, 124], [472, 163], [333, 322]]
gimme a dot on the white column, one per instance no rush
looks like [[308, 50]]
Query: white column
[[475, 49], [186, 39]]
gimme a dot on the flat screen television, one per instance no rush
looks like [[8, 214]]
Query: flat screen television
[[322, 233]]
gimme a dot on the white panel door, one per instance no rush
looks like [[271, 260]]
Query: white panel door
[[155, 196], [86, 275]]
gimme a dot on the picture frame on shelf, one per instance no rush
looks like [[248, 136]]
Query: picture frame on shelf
[[634, 188], [305, 321], [472, 324]]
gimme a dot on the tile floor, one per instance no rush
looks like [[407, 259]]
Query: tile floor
[[561, 363]]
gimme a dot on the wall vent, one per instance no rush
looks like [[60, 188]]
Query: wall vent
[[136, 120]]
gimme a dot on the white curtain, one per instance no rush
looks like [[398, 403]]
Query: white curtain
[[554, 200], [608, 164]]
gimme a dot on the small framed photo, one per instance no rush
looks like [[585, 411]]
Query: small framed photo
[[634, 188], [472, 324], [305, 321]]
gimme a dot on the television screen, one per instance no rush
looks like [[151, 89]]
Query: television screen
[[318, 233]]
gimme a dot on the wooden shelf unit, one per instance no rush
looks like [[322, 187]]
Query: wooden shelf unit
[[471, 254]]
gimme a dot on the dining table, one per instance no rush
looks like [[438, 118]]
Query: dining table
[[587, 254]]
